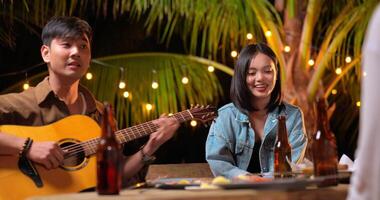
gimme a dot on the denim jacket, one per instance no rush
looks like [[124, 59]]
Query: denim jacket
[[230, 140]]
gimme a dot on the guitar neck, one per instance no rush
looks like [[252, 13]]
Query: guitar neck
[[134, 132]]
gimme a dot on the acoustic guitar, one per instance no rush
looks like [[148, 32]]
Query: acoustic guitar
[[79, 136]]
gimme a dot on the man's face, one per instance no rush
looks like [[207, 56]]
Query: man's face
[[67, 58]]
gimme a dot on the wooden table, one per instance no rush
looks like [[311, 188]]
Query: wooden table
[[330, 193]]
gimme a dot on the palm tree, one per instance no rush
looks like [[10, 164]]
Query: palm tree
[[317, 30], [323, 45]]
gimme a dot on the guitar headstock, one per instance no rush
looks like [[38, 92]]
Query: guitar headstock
[[203, 113]]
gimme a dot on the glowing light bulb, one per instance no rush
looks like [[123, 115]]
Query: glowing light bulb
[[126, 94], [358, 104], [334, 91], [287, 49], [364, 74], [210, 68], [149, 106], [185, 80], [268, 33], [234, 54], [193, 123], [170, 114], [154, 85], [348, 59], [311, 62], [122, 85], [338, 70], [25, 86], [249, 36], [89, 76]]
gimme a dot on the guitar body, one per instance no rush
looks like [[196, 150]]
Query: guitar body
[[15, 185]]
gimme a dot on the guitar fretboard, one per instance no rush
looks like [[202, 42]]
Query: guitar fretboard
[[125, 135]]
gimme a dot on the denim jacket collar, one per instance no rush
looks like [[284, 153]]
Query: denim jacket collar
[[271, 120]]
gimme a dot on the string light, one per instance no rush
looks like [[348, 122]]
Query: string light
[[25, 86], [338, 70], [358, 103], [249, 36], [126, 94], [89, 76], [234, 54], [170, 114], [287, 49], [348, 59], [122, 85], [311, 62], [268, 33], [334, 91], [149, 106], [185, 80], [210, 68], [154, 85], [193, 123], [364, 74]]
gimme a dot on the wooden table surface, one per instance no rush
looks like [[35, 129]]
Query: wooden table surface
[[330, 193]]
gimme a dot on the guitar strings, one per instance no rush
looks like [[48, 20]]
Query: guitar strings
[[121, 135], [90, 145]]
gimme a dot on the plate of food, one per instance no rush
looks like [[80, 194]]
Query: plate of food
[[257, 182], [175, 183]]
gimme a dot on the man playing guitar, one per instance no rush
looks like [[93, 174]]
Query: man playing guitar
[[66, 50]]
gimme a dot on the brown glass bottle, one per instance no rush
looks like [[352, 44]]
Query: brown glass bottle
[[108, 156], [324, 147], [282, 151]]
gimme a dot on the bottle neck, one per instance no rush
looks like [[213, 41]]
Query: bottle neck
[[323, 124], [282, 131], [108, 123]]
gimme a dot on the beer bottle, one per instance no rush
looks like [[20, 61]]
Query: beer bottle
[[282, 151], [108, 156], [324, 147]]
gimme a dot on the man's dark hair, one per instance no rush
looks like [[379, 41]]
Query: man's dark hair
[[239, 92], [65, 27]]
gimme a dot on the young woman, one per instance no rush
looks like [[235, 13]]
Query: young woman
[[241, 140]]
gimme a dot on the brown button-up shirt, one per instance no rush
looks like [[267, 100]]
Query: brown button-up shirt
[[40, 106]]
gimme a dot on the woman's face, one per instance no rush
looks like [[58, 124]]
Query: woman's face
[[261, 76]]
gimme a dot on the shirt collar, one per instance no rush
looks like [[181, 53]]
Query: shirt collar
[[43, 90], [241, 117]]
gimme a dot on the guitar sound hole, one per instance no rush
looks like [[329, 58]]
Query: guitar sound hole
[[75, 158]]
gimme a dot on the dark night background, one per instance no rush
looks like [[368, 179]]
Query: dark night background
[[120, 36]]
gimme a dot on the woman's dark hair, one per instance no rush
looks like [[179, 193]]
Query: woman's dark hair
[[65, 27], [240, 94]]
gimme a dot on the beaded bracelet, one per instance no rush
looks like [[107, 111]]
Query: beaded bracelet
[[25, 148], [146, 160]]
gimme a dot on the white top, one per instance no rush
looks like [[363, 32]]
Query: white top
[[365, 182]]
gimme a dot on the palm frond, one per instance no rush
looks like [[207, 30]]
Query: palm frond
[[312, 15], [139, 71], [223, 24], [332, 51]]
